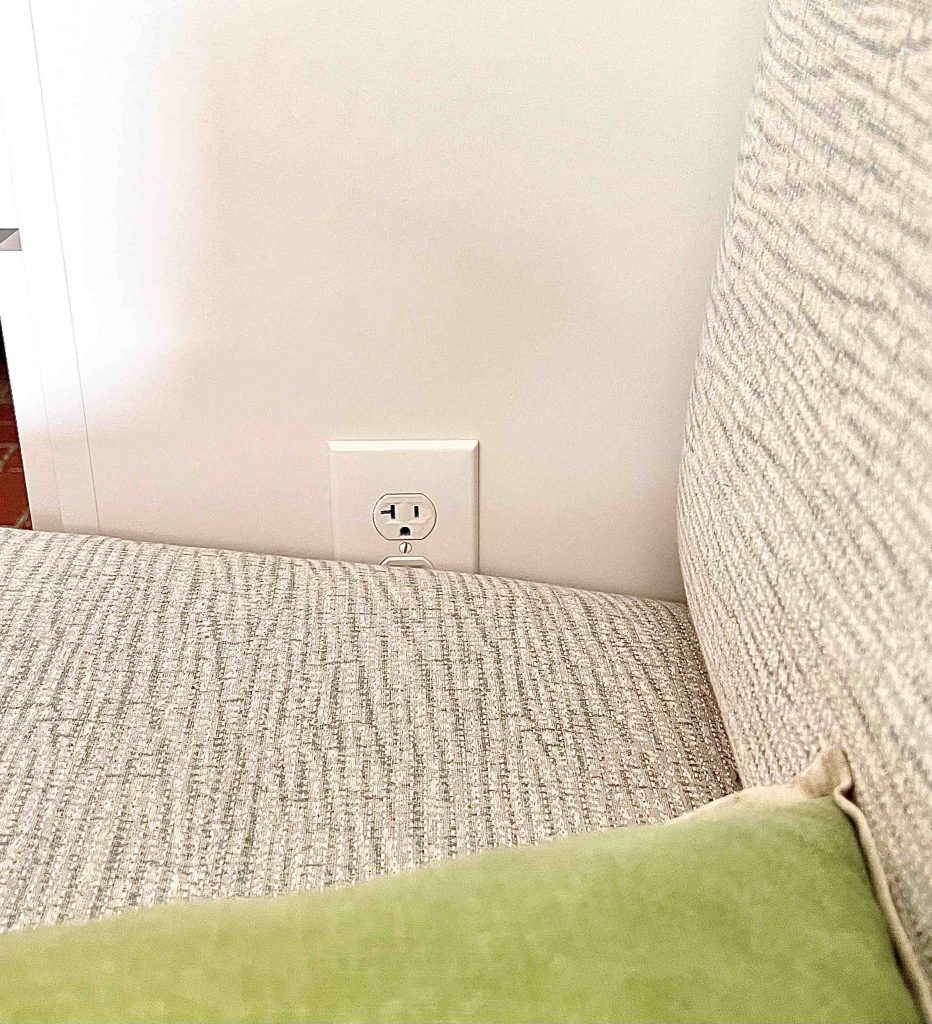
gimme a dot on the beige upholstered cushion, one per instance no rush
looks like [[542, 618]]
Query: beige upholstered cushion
[[806, 494], [182, 723]]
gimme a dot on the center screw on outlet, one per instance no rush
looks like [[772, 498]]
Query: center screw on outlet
[[405, 547]]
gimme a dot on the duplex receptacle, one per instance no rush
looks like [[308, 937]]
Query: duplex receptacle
[[406, 504], [404, 516]]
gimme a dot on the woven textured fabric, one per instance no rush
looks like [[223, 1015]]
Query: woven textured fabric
[[806, 484], [179, 723]]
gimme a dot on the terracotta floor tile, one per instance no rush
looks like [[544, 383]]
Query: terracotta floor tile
[[14, 503]]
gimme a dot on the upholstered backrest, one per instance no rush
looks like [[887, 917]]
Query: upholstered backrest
[[806, 483]]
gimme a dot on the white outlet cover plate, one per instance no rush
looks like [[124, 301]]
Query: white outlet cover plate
[[361, 472]]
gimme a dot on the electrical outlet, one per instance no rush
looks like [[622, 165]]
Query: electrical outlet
[[404, 516], [406, 503]]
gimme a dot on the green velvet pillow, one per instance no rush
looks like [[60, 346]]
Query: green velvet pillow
[[763, 915]]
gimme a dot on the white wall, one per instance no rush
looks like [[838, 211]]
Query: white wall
[[286, 221], [7, 202]]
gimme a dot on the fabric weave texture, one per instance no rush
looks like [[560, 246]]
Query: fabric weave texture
[[181, 723], [806, 483]]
